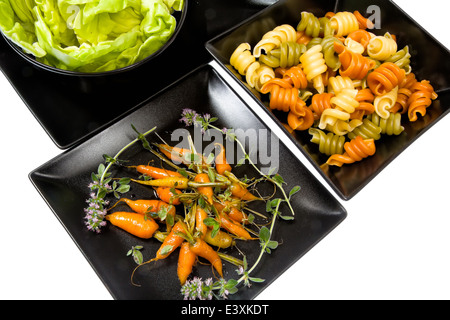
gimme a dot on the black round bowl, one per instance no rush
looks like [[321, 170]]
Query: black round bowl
[[180, 17]]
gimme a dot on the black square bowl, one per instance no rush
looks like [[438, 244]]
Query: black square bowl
[[429, 61], [63, 183]]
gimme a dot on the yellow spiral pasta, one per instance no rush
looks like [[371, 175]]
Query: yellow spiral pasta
[[344, 23], [314, 66], [342, 128], [260, 76], [274, 38], [382, 47], [345, 100], [329, 143], [242, 58], [384, 103], [339, 83], [354, 46]]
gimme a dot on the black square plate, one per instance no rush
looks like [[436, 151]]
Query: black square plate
[[430, 60], [71, 108], [63, 182]]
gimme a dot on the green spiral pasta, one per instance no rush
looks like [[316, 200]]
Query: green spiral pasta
[[309, 24], [329, 54], [390, 126], [329, 144], [314, 42], [367, 130], [402, 59], [286, 56]]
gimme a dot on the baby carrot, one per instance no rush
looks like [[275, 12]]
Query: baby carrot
[[204, 250], [157, 173], [222, 165], [234, 227], [181, 155], [200, 216], [186, 261], [169, 182], [167, 195], [208, 192], [242, 193], [221, 239], [134, 223], [147, 206], [171, 242], [234, 213]]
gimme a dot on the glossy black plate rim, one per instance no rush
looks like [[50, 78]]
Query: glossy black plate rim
[[346, 196], [338, 215], [30, 59]]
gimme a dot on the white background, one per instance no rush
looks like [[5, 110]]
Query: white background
[[394, 243]]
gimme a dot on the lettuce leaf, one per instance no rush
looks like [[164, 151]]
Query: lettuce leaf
[[89, 35]]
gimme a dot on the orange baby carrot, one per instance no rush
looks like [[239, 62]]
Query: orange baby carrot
[[147, 206], [242, 193], [171, 242], [208, 192], [167, 195], [134, 223], [186, 261], [169, 182], [157, 173], [204, 250], [221, 239], [222, 165], [231, 210], [234, 227], [200, 216]]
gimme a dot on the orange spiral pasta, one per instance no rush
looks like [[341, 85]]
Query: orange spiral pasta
[[355, 150], [301, 120], [284, 97], [353, 65], [420, 100], [303, 38], [363, 23], [319, 103], [296, 76], [366, 107], [401, 105], [361, 36], [385, 78]]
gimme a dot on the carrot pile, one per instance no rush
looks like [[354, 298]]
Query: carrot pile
[[200, 209]]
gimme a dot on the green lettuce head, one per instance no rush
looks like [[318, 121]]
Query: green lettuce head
[[89, 35]]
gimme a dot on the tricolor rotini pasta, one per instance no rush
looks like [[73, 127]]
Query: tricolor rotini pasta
[[336, 79]]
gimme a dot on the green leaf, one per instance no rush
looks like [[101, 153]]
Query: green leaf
[[137, 257], [272, 244], [258, 280], [241, 162], [124, 188], [231, 284], [124, 181], [166, 250], [294, 191], [286, 218], [101, 169], [278, 179], [264, 234]]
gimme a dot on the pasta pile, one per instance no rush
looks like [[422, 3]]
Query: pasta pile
[[334, 78]]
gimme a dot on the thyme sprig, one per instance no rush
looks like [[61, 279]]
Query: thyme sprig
[[102, 185]]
